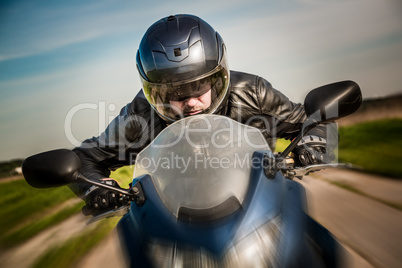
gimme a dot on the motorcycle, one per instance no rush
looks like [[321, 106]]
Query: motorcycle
[[209, 192]]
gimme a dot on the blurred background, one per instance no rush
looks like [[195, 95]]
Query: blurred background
[[67, 68]]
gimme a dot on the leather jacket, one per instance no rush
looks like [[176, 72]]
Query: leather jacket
[[251, 100]]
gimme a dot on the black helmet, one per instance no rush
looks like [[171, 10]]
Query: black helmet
[[182, 57]]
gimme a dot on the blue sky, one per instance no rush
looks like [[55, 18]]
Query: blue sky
[[56, 56]]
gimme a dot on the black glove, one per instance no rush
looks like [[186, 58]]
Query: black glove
[[313, 150], [100, 200]]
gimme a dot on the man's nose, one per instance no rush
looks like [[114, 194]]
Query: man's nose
[[191, 102]]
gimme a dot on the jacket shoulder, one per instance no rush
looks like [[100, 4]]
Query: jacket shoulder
[[255, 94], [242, 80], [245, 90], [139, 105]]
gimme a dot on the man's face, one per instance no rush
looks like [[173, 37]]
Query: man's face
[[192, 106]]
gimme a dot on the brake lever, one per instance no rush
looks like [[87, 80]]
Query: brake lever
[[121, 211], [299, 172]]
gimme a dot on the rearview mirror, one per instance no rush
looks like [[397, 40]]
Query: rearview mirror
[[51, 168], [328, 103], [333, 101]]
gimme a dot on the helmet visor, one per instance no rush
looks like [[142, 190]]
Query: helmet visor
[[202, 94]]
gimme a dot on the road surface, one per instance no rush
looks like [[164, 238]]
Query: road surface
[[370, 228]]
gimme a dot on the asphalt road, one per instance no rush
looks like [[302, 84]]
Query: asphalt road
[[369, 228]]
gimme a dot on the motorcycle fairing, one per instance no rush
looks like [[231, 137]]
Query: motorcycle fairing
[[276, 199]]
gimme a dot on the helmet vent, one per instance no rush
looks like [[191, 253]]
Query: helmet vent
[[171, 17], [177, 52]]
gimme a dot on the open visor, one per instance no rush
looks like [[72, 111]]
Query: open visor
[[162, 95]]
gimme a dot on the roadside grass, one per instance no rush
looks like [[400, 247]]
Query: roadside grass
[[72, 250], [375, 146], [33, 227], [20, 202], [26, 211]]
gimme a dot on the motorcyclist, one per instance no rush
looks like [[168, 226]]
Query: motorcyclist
[[183, 67]]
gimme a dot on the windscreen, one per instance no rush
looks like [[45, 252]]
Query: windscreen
[[201, 161]]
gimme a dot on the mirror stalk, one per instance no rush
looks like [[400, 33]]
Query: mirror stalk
[[296, 140], [279, 162], [291, 146]]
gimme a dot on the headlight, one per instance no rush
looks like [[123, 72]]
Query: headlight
[[258, 249]]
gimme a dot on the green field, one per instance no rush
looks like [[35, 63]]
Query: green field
[[27, 211], [374, 146], [71, 251], [22, 205]]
